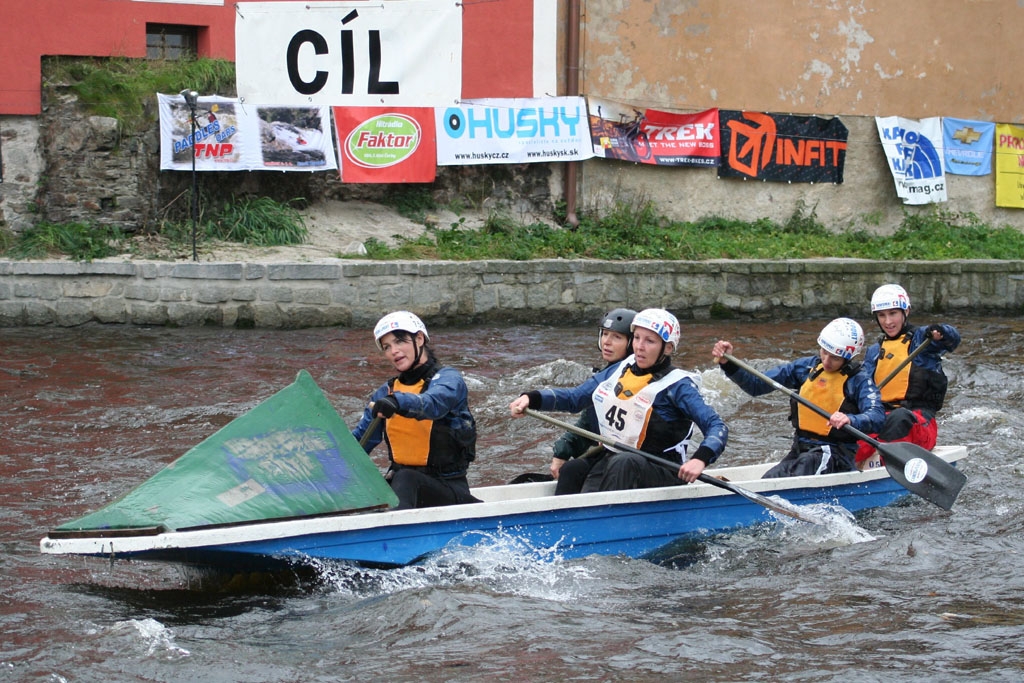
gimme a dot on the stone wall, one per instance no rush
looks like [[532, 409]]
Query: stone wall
[[356, 293]]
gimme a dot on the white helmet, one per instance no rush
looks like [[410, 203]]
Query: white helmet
[[890, 296], [842, 337], [660, 322], [399, 320]]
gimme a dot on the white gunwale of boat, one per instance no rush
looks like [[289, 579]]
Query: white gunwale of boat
[[497, 501]]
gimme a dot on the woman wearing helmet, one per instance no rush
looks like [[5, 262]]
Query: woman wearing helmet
[[916, 393], [644, 402], [831, 380], [615, 341], [429, 431]]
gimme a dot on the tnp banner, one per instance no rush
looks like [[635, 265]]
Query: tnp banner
[[232, 137]]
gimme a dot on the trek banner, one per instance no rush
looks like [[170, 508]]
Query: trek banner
[[233, 137], [391, 145], [352, 54], [513, 131], [652, 136], [1009, 166], [914, 151], [967, 146], [782, 147]]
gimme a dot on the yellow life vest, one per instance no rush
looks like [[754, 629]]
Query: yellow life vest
[[409, 439], [824, 389], [891, 353]]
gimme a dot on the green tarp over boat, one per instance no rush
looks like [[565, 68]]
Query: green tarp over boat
[[290, 456]]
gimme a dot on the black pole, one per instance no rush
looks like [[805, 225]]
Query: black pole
[[192, 98]]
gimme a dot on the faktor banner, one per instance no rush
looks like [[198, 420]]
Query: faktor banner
[[233, 137], [513, 131], [914, 151], [351, 54], [395, 145], [782, 148], [652, 136]]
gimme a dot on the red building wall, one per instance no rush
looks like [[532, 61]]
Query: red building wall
[[497, 41]]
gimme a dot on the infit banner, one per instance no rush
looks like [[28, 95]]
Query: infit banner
[[1009, 166], [782, 148], [968, 146], [654, 137], [914, 151], [232, 137], [386, 145], [513, 131], [355, 54]]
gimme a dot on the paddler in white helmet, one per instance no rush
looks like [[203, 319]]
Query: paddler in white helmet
[[426, 423], [830, 379], [915, 391], [643, 402]]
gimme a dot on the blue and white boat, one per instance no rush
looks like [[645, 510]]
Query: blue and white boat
[[292, 485]]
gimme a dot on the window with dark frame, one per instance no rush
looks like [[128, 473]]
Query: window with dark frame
[[171, 41]]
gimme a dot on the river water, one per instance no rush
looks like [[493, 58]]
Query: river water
[[898, 594]]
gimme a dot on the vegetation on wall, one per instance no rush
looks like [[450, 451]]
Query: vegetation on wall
[[254, 221], [635, 231], [120, 87]]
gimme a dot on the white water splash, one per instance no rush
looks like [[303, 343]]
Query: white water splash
[[500, 560], [838, 526], [159, 639]]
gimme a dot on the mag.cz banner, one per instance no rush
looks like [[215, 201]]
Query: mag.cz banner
[[653, 136], [386, 145], [513, 131], [782, 148], [232, 137], [914, 151], [349, 54]]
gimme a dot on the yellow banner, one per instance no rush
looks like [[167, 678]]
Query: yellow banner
[[1009, 166]]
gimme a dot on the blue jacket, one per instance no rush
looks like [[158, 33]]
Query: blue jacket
[[445, 401], [859, 390], [681, 402]]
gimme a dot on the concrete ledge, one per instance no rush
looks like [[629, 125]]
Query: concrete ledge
[[554, 291]]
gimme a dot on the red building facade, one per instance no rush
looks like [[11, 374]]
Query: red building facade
[[498, 40]]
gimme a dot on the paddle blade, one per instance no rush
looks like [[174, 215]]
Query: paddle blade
[[922, 472]]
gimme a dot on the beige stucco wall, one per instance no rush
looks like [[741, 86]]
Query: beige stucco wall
[[855, 60]]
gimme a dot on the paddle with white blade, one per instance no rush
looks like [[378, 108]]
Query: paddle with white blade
[[782, 507], [918, 470]]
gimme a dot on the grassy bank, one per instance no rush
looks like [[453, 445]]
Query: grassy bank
[[627, 232], [637, 231]]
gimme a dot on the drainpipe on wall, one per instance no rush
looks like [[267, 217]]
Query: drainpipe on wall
[[572, 88]]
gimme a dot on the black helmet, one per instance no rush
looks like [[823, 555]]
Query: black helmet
[[618, 320]]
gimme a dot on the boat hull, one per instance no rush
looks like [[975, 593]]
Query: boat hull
[[634, 523]]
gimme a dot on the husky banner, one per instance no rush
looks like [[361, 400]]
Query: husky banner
[[232, 137], [652, 136], [1009, 166], [782, 148], [914, 151], [352, 54], [968, 146], [386, 145], [513, 131]]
